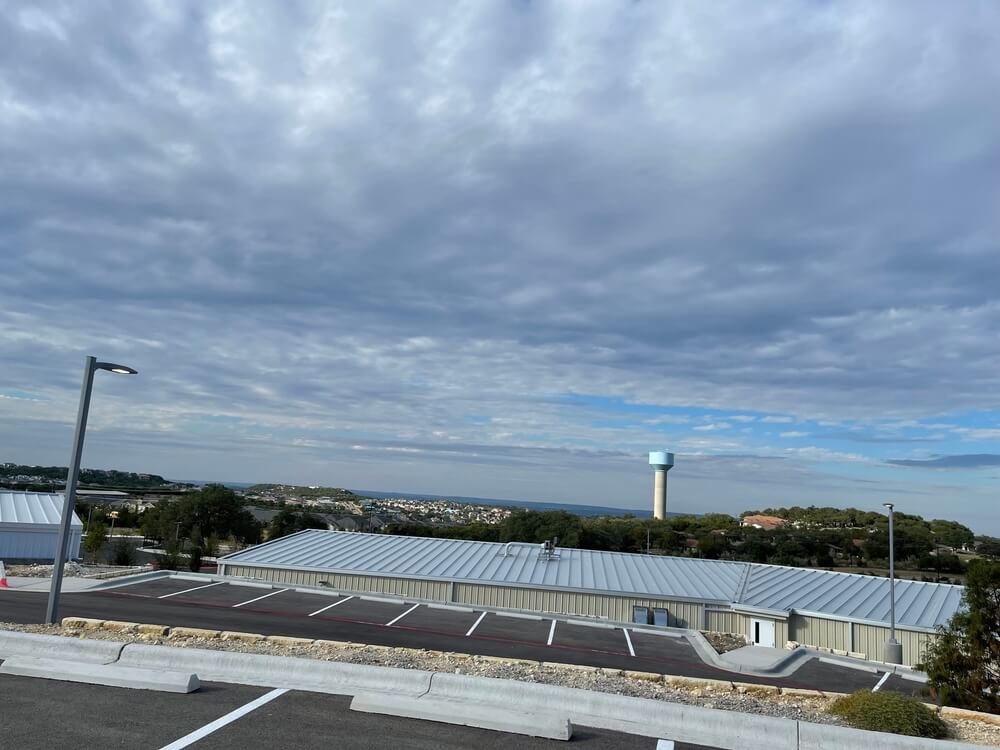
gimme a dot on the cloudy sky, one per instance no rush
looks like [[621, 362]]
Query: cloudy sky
[[504, 249]]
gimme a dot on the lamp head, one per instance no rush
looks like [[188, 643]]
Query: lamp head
[[119, 369], [890, 506]]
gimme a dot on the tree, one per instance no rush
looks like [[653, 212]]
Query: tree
[[288, 521], [963, 663], [215, 510], [194, 559], [989, 547], [97, 535], [540, 526], [951, 533]]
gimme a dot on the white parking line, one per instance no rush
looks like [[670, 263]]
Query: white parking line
[[475, 624], [881, 682], [397, 619], [331, 606], [628, 640], [552, 632], [259, 598], [197, 734], [188, 591], [664, 745]]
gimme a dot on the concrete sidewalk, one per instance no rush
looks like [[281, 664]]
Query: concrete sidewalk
[[756, 658]]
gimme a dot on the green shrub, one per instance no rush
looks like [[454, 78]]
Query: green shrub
[[171, 557], [887, 711], [123, 553]]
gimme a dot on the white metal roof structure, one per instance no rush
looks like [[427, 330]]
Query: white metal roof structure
[[849, 596], [29, 526], [743, 585], [32, 509]]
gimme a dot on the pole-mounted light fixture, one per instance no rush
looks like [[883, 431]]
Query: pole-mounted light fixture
[[91, 365], [893, 650]]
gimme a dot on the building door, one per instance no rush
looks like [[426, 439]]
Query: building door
[[640, 615], [762, 633]]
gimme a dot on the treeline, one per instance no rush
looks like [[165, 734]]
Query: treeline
[[949, 533], [720, 536], [104, 477]]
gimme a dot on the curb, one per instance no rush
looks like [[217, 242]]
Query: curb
[[677, 681], [641, 716]]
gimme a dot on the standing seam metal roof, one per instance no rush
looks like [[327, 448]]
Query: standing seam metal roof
[[768, 587], [32, 509]]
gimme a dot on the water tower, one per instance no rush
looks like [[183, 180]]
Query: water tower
[[662, 462]]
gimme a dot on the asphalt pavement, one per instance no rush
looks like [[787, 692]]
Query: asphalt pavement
[[46, 714], [394, 622]]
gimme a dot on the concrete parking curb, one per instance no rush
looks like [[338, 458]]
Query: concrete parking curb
[[57, 647], [113, 675], [335, 678], [465, 713]]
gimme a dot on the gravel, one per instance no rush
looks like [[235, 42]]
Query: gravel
[[70, 570], [723, 642], [744, 699]]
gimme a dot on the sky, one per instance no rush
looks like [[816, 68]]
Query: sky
[[504, 249]]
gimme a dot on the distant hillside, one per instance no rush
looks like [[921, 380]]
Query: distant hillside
[[950, 533], [23, 474], [291, 490]]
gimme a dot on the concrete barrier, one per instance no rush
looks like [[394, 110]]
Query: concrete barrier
[[825, 736], [57, 647], [464, 713], [646, 717], [279, 671], [112, 675]]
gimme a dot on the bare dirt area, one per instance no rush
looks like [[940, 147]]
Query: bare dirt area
[[751, 699]]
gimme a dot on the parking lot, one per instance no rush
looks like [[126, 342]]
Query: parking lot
[[327, 615], [235, 717], [222, 605]]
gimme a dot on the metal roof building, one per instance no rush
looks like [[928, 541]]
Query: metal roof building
[[29, 527], [768, 603]]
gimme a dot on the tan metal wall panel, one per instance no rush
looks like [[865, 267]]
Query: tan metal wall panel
[[680, 614], [725, 621], [415, 589], [781, 633], [870, 640], [816, 631]]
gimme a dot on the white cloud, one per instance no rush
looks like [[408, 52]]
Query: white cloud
[[714, 426], [420, 229]]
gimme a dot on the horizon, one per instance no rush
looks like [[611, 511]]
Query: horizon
[[509, 251]]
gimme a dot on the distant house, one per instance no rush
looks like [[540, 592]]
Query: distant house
[[767, 523]]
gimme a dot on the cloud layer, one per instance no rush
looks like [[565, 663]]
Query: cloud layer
[[332, 235]]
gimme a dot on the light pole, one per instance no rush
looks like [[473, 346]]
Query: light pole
[[893, 650], [91, 365]]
